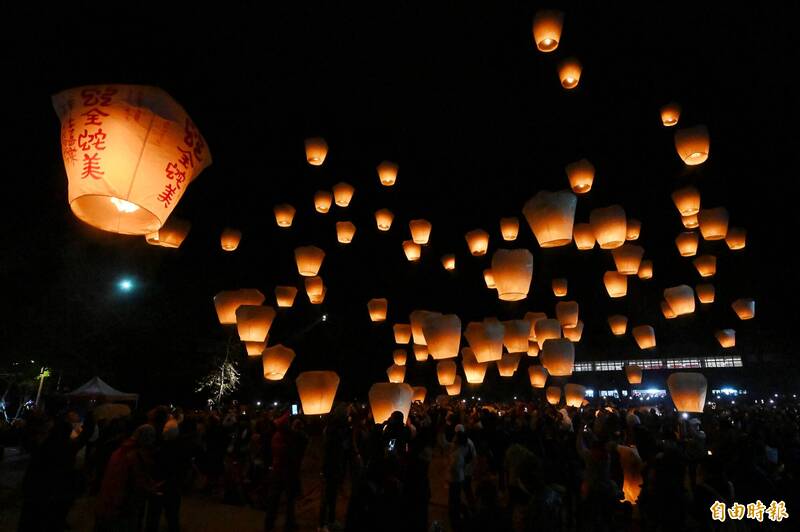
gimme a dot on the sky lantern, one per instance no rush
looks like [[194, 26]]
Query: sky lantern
[[736, 238], [645, 336], [745, 308], [551, 216], [618, 324], [488, 278], [284, 214], [314, 287], [276, 361], [420, 352], [418, 319], [254, 322], [316, 151], [633, 373], [609, 226], [559, 287], [386, 397], [532, 318], [574, 394], [553, 394], [420, 231], [567, 313], [687, 200], [558, 357], [680, 299], [569, 72], [509, 228], [322, 201], [581, 176], [616, 284], [455, 388], [705, 292], [688, 391], [383, 218], [227, 301], [687, 243], [515, 335], [345, 231], [706, 265], [317, 390], [171, 234], [533, 349], [537, 375], [230, 238], [628, 258], [377, 309], [343, 193], [584, 236], [512, 270], [485, 339], [726, 338], [547, 25], [667, 311], [690, 221], [449, 262], [284, 296], [693, 145], [254, 349], [446, 372], [443, 336], [413, 251], [419, 394], [309, 260], [670, 114], [645, 270], [574, 334], [474, 371], [508, 364], [402, 333], [633, 229], [396, 374], [399, 356], [478, 242], [713, 223], [387, 173], [130, 152], [547, 329]]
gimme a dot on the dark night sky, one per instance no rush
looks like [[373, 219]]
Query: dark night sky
[[478, 122]]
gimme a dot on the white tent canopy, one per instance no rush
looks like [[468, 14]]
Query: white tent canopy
[[98, 388]]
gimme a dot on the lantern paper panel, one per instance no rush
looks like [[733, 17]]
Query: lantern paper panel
[[706, 265], [547, 329], [316, 151], [609, 225], [559, 287], [509, 228], [309, 260], [130, 152], [171, 234], [420, 352], [690, 221], [455, 388], [726, 338], [680, 299], [345, 231], [254, 349], [399, 356], [584, 236], [581, 176], [378, 308], [670, 114], [478, 242], [574, 334], [343, 194], [553, 394], [508, 364], [420, 231], [315, 287], [693, 145], [317, 390], [633, 229], [569, 73], [402, 333], [687, 200], [645, 270], [713, 223], [446, 372], [285, 295], [474, 371], [533, 349], [687, 243], [705, 292], [515, 335], [558, 357], [688, 391], [736, 238], [396, 374], [551, 216], [276, 361], [253, 322], [547, 25], [512, 270], [645, 336], [284, 214], [628, 258], [419, 394], [449, 262], [230, 238], [443, 336], [532, 318], [383, 219], [667, 311], [418, 319], [567, 313], [387, 173], [413, 251], [488, 278], [616, 284], [227, 301], [486, 339], [745, 308], [634, 374], [537, 376], [323, 201], [618, 324], [574, 394], [386, 398]]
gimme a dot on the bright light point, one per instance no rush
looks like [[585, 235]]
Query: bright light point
[[324, 317], [685, 415], [258, 403], [126, 285], [123, 205], [275, 403]]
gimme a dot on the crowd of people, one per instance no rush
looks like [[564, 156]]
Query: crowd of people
[[521, 466]]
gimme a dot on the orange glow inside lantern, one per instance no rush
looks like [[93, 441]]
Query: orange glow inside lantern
[[399, 356], [509, 228], [581, 176], [547, 329], [446, 372], [551, 216], [618, 324], [478, 242], [512, 270], [284, 214], [383, 218], [449, 262], [485, 339], [402, 333], [309, 260], [474, 371], [345, 231], [533, 349], [687, 243], [609, 226], [418, 319], [645, 270], [693, 145], [726, 338], [443, 336], [634, 374], [387, 173], [254, 349], [687, 200], [567, 313], [488, 278], [413, 251], [616, 284], [705, 292], [343, 194], [419, 394], [547, 24], [420, 352], [515, 335], [322, 201], [386, 397], [736, 238], [537, 376], [584, 236], [553, 394], [667, 311], [558, 357], [171, 234], [670, 114], [573, 334], [420, 231], [230, 238], [396, 374], [377, 309], [569, 72], [713, 223], [316, 151], [253, 322], [276, 361], [628, 258], [559, 287], [688, 391], [645, 336], [680, 299], [633, 229], [706, 265], [227, 301], [745, 308], [455, 388], [690, 221], [508, 364], [532, 318], [574, 394], [130, 152], [317, 390], [284, 296]]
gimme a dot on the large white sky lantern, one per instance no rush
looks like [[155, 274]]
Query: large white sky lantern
[[551, 216], [130, 152], [513, 272]]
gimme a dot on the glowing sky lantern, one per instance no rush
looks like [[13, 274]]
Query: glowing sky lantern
[[509, 228], [317, 390], [726, 338], [736, 238], [419, 394], [443, 336], [227, 301], [171, 234], [569, 72], [284, 215], [323, 201], [745, 308], [618, 324], [485, 339], [396, 373], [130, 152], [276, 361], [343, 194], [377, 309], [399, 356], [420, 231], [680, 299], [533, 349], [616, 284], [688, 391], [449, 262], [687, 200], [670, 114], [474, 371], [609, 226], [633, 373], [567, 313], [420, 352], [383, 219], [345, 231], [418, 319], [488, 278], [547, 25], [254, 348], [402, 333], [515, 335], [316, 151], [633, 229], [532, 318], [309, 260], [385, 398], [315, 288], [713, 223], [584, 236], [551, 216], [667, 311], [690, 221], [573, 334], [574, 394], [512, 270], [547, 329], [230, 238], [478, 242], [508, 364], [581, 176], [645, 270], [253, 322], [446, 372], [413, 251], [645, 336], [628, 258], [687, 243], [285, 295], [455, 388], [559, 287], [537, 376], [706, 265], [693, 145], [387, 173], [553, 394], [558, 357], [705, 292]]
